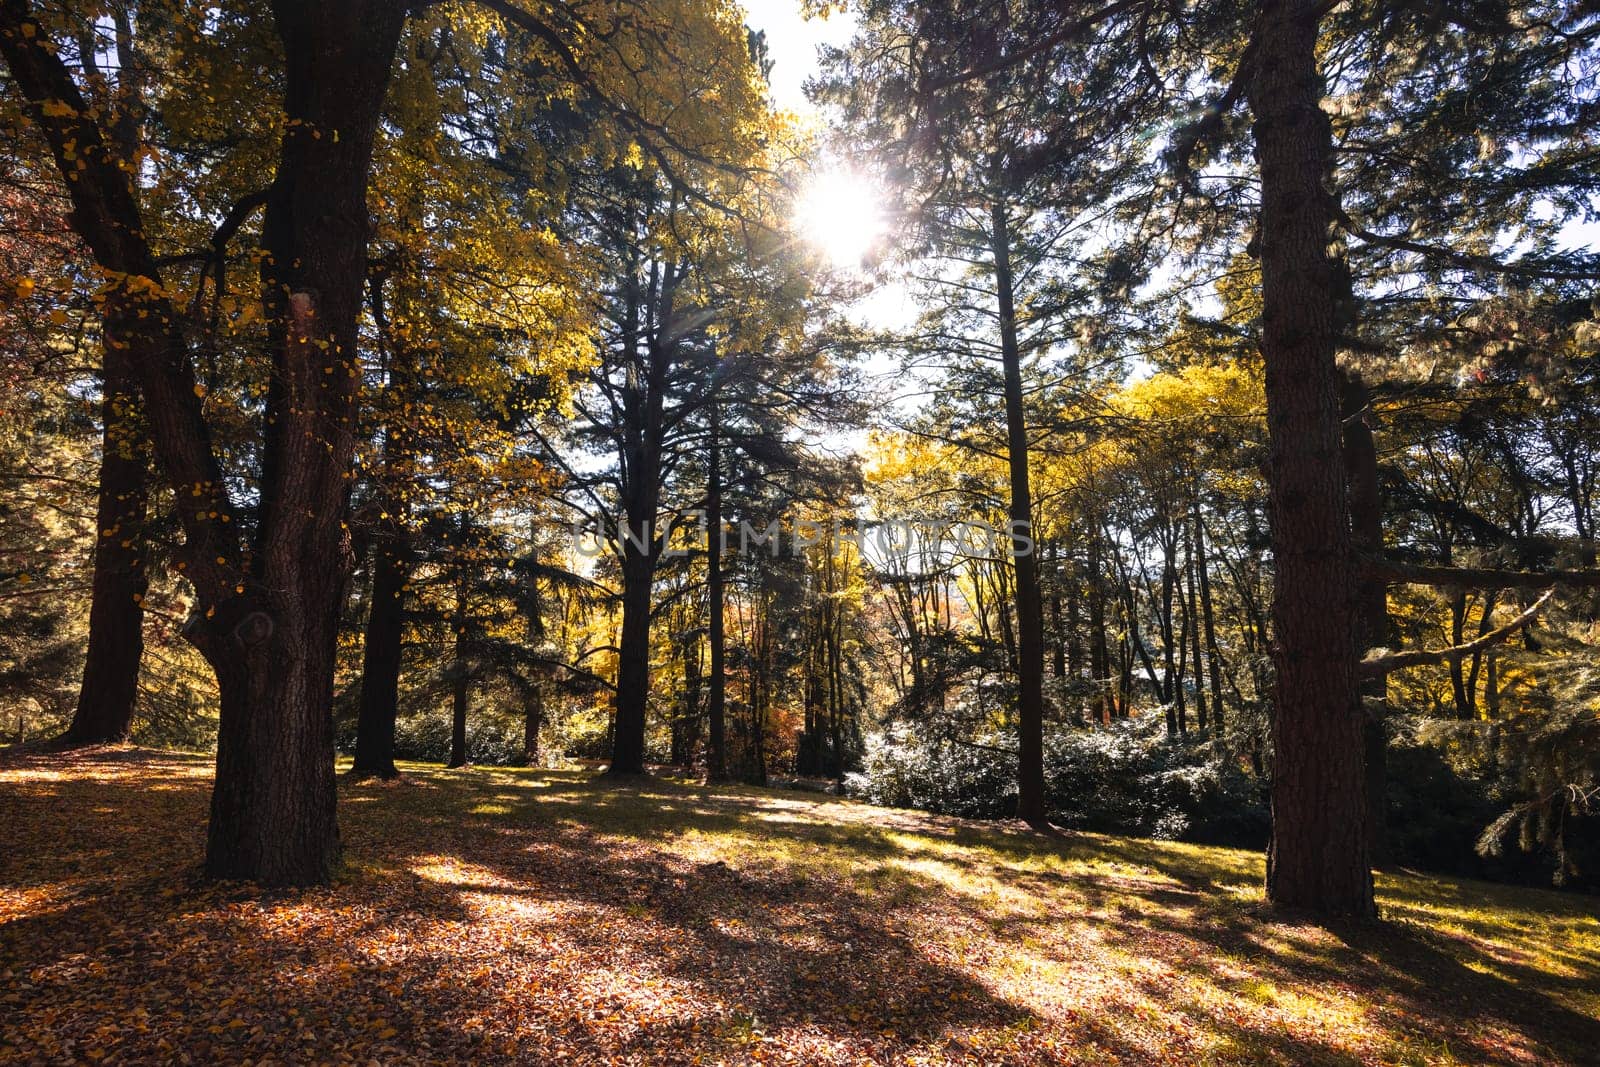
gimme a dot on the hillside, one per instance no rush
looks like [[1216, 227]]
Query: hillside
[[536, 916]]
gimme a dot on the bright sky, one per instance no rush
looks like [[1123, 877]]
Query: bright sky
[[793, 41]]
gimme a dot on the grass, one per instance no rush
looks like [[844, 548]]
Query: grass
[[541, 917]]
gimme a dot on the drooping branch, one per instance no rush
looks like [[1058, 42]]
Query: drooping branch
[[1553, 270], [1379, 666]]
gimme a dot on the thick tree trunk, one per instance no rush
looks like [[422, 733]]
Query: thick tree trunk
[[380, 659], [272, 807], [268, 610], [110, 685], [1318, 858], [1024, 556], [633, 663], [272, 812]]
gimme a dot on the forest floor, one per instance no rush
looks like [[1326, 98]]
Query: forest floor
[[540, 917]]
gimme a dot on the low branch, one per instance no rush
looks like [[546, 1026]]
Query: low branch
[[1379, 666], [1396, 571]]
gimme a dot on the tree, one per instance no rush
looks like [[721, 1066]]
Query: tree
[[1004, 134], [1318, 859], [267, 606]]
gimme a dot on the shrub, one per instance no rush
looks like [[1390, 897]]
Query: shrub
[[1127, 779]]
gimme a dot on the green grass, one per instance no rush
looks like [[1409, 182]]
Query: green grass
[[537, 916]]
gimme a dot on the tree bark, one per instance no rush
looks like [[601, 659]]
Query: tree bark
[[1318, 859], [272, 810], [1099, 651], [717, 679], [110, 687], [1024, 555], [268, 611], [1191, 625], [1213, 655], [633, 663], [380, 658]]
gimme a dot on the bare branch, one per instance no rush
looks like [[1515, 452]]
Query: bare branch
[[1379, 666]]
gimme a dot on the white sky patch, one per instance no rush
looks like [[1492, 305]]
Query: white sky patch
[[793, 40]]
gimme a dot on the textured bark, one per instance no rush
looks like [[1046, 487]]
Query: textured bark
[[110, 686], [1318, 858], [633, 664], [272, 810], [380, 658], [1372, 600], [1030, 615], [268, 612]]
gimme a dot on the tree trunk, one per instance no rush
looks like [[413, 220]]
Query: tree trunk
[[1059, 635], [532, 723], [1191, 626], [460, 673], [717, 680], [272, 811], [633, 662], [1372, 600], [1172, 679], [272, 807], [380, 658], [110, 685], [267, 615], [1099, 651], [1024, 555], [1213, 655], [1318, 859]]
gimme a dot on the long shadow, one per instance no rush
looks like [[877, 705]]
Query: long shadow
[[553, 920]]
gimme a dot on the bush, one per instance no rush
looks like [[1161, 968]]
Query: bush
[[1125, 779], [901, 768], [425, 738]]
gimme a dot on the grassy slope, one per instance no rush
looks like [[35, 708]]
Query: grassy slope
[[533, 916]]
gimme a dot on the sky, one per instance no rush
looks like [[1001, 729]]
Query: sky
[[793, 41]]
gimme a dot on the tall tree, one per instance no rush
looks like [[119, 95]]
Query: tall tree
[[1318, 858], [268, 607]]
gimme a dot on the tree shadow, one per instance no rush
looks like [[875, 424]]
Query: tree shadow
[[530, 916]]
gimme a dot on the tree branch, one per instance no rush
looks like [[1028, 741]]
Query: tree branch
[[1379, 666], [1397, 572]]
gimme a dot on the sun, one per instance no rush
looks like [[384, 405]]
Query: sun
[[840, 213]]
